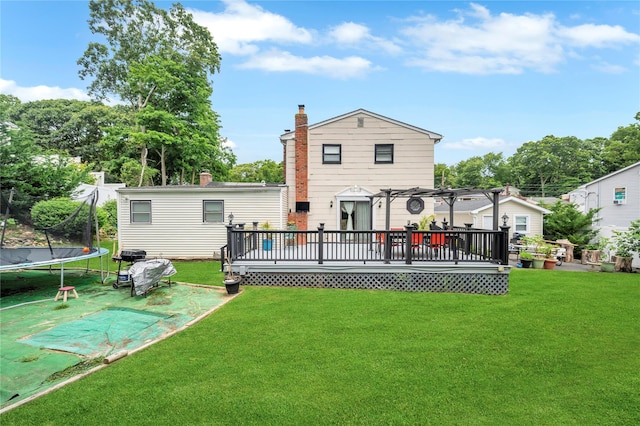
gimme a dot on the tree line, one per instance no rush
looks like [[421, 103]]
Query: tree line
[[551, 166]]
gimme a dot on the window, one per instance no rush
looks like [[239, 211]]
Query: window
[[521, 224], [620, 196], [212, 211], [141, 211], [384, 153], [331, 154]]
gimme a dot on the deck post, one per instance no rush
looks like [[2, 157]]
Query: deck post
[[230, 253], [504, 244], [321, 244], [408, 243]]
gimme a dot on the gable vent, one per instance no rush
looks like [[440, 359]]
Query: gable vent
[[360, 121]]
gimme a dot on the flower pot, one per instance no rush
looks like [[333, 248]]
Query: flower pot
[[549, 263], [538, 263], [526, 263], [267, 244], [607, 266], [232, 285]]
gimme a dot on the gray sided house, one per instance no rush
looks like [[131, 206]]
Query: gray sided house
[[617, 195], [189, 222], [333, 167], [524, 217]]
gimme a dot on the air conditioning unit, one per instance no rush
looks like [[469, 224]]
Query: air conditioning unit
[[618, 201]]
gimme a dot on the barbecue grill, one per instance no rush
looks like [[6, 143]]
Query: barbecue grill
[[129, 256], [132, 255]]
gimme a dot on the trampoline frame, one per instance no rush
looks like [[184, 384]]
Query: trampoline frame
[[96, 252]]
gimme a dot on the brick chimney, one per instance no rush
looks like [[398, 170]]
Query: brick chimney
[[205, 178], [302, 160], [301, 168]]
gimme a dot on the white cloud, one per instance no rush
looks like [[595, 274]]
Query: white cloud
[[590, 35], [477, 42], [35, 93], [279, 61], [242, 25], [477, 144], [350, 34], [228, 143], [609, 68]]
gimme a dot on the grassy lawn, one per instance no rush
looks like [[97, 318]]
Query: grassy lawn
[[561, 348]]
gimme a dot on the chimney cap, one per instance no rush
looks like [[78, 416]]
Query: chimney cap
[[301, 109]]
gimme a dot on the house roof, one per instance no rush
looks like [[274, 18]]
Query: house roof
[[479, 204], [224, 186], [432, 135]]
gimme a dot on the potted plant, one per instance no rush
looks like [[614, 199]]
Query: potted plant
[[526, 259], [625, 243], [604, 246], [549, 258], [231, 281], [267, 241], [535, 243]]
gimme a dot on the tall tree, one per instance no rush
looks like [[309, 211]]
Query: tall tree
[[551, 166], [146, 49], [263, 170], [443, 176], [69, 126], [489, 171], [623, 148]]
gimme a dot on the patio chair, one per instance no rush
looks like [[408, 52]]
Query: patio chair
[[395, 241], [435, 243]]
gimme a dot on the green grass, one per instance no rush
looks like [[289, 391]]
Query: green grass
[[561, 348]]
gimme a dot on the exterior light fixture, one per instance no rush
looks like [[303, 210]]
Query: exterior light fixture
[[331, 204], [230, 218], [505, 218]]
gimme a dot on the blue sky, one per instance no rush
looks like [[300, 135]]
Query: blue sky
[[488, 75]]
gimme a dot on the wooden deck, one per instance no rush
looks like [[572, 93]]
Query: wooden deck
[[374, 264]]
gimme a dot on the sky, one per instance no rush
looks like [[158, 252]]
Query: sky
[[488, 76]]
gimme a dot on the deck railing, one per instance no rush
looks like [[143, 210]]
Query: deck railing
[[403, 245]]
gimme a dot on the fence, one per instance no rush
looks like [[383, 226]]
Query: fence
[[398, 245]]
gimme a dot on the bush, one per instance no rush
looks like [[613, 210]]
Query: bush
[[56, 216], [108, 218]]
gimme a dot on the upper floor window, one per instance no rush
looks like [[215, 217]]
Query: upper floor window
[[212, 211], [331, 154], [620, 196], [141, 211], [384, 153]]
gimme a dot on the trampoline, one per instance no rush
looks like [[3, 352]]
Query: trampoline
[[80, 248]]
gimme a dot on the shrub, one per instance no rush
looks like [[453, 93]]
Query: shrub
[[58, 217]]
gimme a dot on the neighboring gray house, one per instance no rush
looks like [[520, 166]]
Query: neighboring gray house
[[617, 195], [524, 217], [189, 222]]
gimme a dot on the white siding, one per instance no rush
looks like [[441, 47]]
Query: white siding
[[177, 229], [412, 167]]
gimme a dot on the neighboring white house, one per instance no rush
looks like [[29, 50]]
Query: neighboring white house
[[189, 222], [333, 167], [524, 217], [106, 191], [617, 195]]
